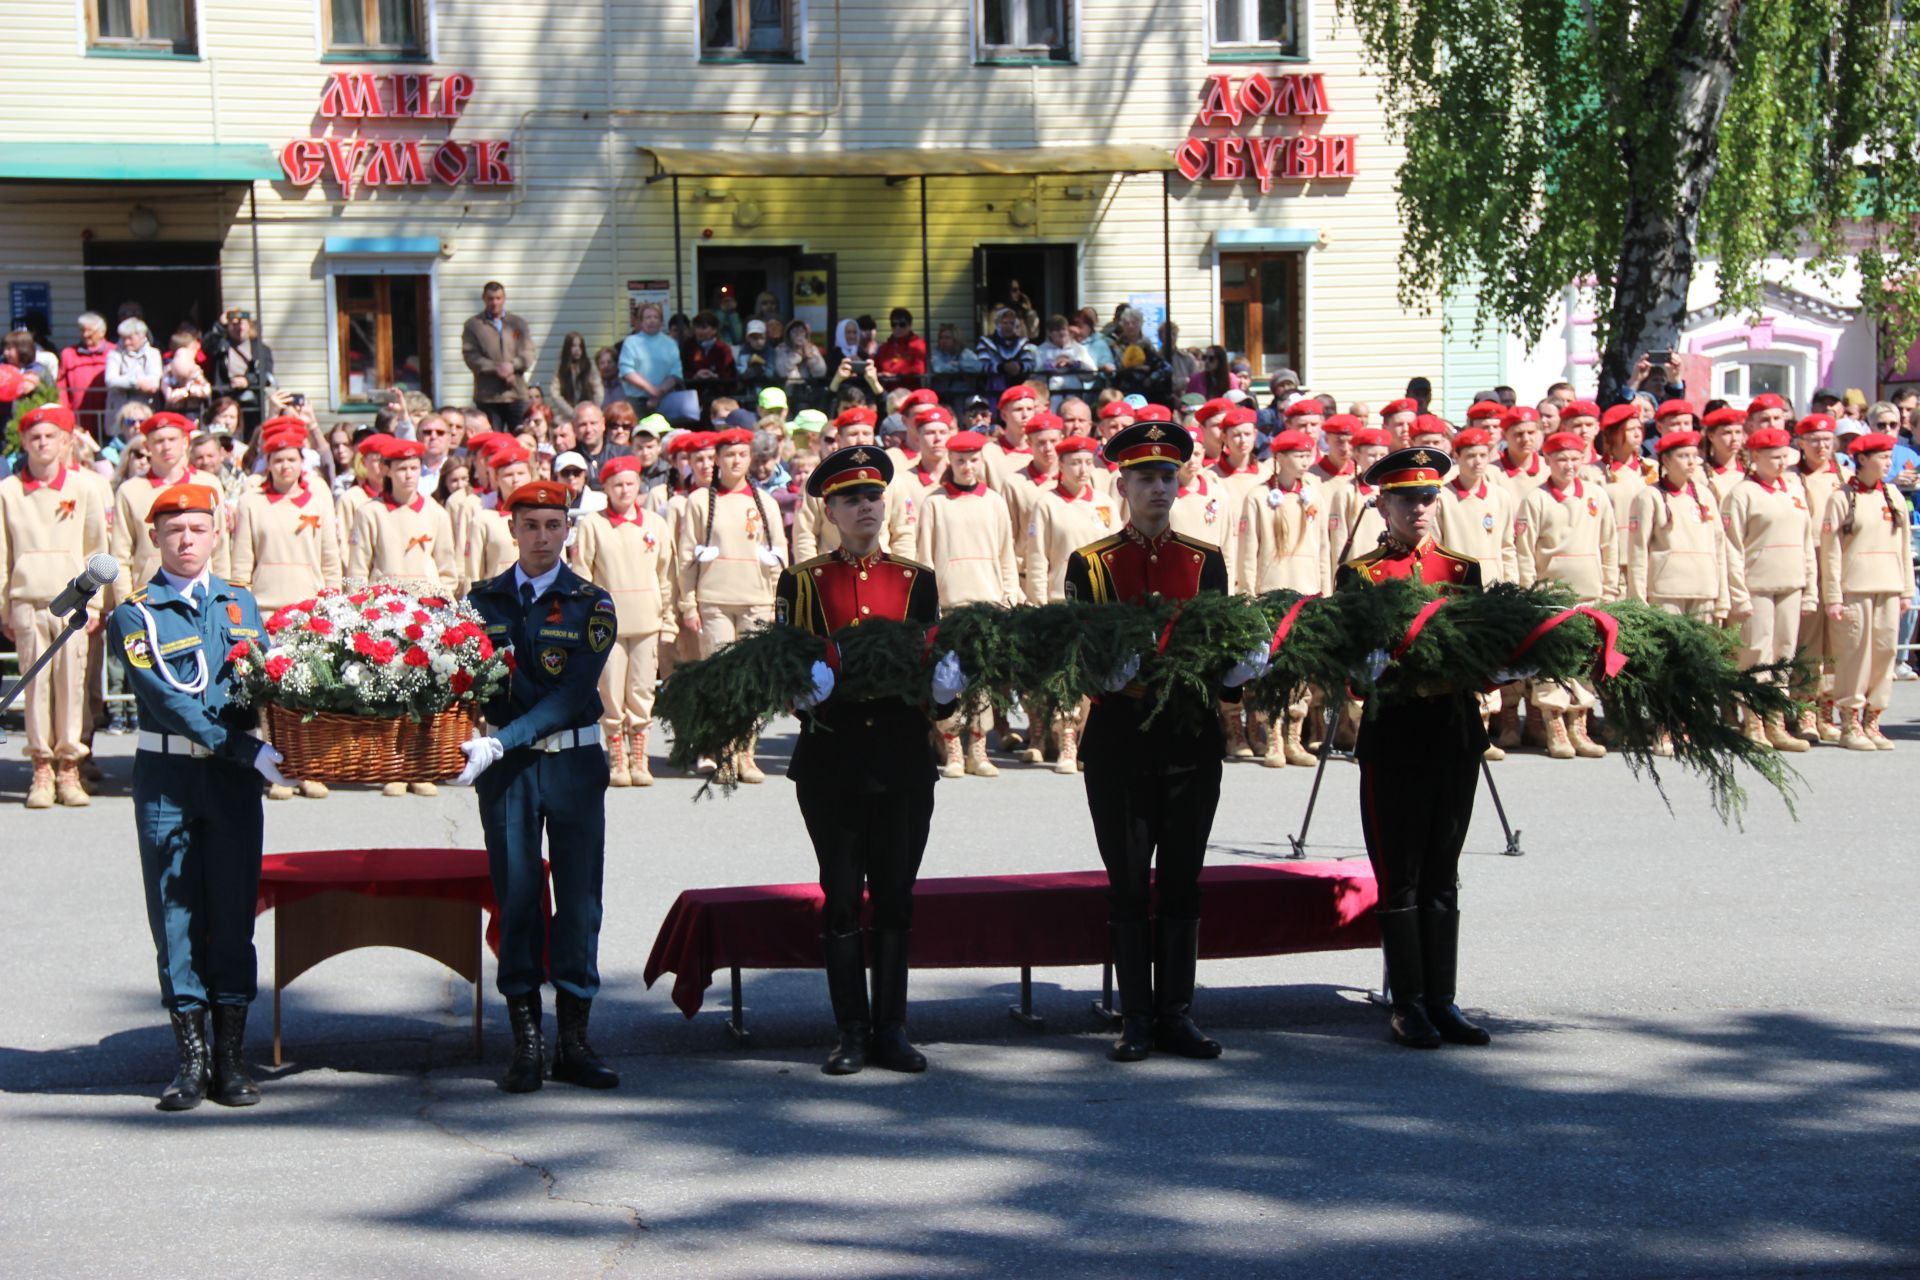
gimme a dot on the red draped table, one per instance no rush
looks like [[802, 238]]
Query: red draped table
[[979, 922], [327, 902]]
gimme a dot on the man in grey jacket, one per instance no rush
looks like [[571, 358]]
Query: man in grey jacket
[[498, 348]]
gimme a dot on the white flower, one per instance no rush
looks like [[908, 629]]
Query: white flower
[[446, 664], [355, 674]]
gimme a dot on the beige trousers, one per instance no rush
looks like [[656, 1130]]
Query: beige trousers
[[1863, 641], [1771, 633], [1551, 695], [1815, 649], [979, 726], [1702, 609], [56, 701], [724, 623], [627, 685]]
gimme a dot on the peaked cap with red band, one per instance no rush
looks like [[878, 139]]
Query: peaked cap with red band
[[1149, 444], [1411, 471], [860, 466]]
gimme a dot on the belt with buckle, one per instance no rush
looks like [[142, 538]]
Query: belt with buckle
[[567, 739], [170, 744]]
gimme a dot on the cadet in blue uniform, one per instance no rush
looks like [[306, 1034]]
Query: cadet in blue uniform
[[543, 768], [861, 770], [196, 794], [1419, 754], [1152, 789]]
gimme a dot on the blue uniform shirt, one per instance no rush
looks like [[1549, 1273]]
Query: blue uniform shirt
[[158, 630], [559, 647]]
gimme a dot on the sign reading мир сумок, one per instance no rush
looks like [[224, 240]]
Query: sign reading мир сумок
[[353, 160], [1242, 108]]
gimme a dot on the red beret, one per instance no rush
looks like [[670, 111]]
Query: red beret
[[1399, 406], [481, 439], [1153, 413], [398, 450], [1486, 409], [58, 414], [1617, 414], [1116, 409], [740, 435], [1676, 440], [282, 433], [1871, 442], [1044, 421], [11, 379], [698, 440], [1470, 437], [1213, 408], [164, 419], [1764, 401], [1769, 438], [1366, 436], [940, 413], [374, 445], [1518, 414], [535, 494], [1579, 409], [506, 452], [614, 466], [1078, 444], [1239, 417], [857, 413], [925, 396], [1306, 405], [183, 497], [1560, 441], [1017, 392], [1291, 441], [1340, 424], [1669, 408], [966, 442], [1722, 417], [1426, 424], [1812, 423]]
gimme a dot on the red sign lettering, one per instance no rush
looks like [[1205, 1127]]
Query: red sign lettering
[[396, 164], [352, 96], [490, 163], [450, 163], [350, 160], [303, 159], [1220, 156]]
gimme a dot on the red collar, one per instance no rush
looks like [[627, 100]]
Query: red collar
[[1222, 470], [954, 490], [1532, 470], [615, 519], [1731, 466], [1481, 492], [1200, 481], [29, 484], [859, 562], [370, 491], [1560, 495], [153, 478], [1015, 448], [728, 493], [1151, 544], [1040, 479], [299, 495], [1860, 488], [1299, 484], [419, 503], [1362, 488], [1778, 486], [1075, 497], [927, 481], [1667, 486]]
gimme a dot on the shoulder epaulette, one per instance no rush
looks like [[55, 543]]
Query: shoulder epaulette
[[1095, 548], [814, 563]]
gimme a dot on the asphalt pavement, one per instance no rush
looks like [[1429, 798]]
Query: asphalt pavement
[[1706, 1062]]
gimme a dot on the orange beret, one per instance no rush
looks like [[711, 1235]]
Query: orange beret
[[535, 495], [183, 497]]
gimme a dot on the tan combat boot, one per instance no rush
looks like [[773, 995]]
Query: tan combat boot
[[1275, 755], [618, 775], [1506, 733], [745, 768], [953, 762], [1559, 743], [1583, 744], [423, 788], [638, 767], [1235, 725], [277, 791], [977, 763], [1781, 738], [1824, 726], [1869, 722], [1809, 725], [1852, 735], [394, 789], [40, 790], [67, 788], [313, 790], [1297, 752], [1754, 731], [1494, 750], [1069, 759]]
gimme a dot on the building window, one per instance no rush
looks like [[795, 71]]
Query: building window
[[386, 337], [394, 28], [754, 29], [1264, 28], [1262, 316], [1024, 30], [142, 26]]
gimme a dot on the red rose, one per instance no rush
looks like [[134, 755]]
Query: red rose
[[507, 657], [320, 626], [396, 606], [279, 619], [382, 651], [417, 657], [240, 650], [358, 597], [277, 668], [415, 631], [486, 650], [434, 602], [305, 606], [461, 682]]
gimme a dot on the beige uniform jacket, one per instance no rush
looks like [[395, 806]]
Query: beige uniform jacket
[[130, 537], [1200, 512], [967, 536], [1569, 538], [632, 557], [1233, 487], [1875, 557], [1060, 527], [47, 533], [285, 548], [410, 544], [1478, 522], [346, 513], [814, 535], [1677, 546], [1003, 464], [1771, 547], [736, 562], [487, 548], [1723, 479], [1353, 527], [1522, 481], [1281, 540]]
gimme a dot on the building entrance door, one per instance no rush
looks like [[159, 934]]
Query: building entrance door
[[800, 283], [170, 280], [1043, 275], [1262, 312]]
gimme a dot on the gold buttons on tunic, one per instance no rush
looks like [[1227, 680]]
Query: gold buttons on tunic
[[863, 575], [864, 609]]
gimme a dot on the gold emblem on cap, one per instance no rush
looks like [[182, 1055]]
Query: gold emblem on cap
[[1155, 433], [860, 455], [1421, 459]]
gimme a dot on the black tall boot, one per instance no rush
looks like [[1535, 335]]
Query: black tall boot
[[890, 1047], [1440, 948], [574, 1061], [1133, 973], [847, 989], [232, 1086], [1400, 939], [1176, 955], [193, 1067], [528, 1066]]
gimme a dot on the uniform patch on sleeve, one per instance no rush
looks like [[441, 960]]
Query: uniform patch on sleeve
[[599, 632], [553, 660], [138, 654], [603, 605]]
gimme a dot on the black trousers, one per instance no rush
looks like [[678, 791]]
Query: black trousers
[[873, 840], [1414, 815], [1136, 815], [505, 415]]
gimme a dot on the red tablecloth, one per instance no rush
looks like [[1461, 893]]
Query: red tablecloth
[[454, 875], [976, 922]]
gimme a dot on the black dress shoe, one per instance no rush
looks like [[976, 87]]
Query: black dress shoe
[[574, 1061], [1454, 1027], [1440, 953], [1136, 1039], [849, 1056], [1412, 1027], [193, 1068], [1176, 960], [890, 1048], [527, 1069], [232, 1086], [1181, 1035]]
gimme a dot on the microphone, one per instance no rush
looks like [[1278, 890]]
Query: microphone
[[101, 570]]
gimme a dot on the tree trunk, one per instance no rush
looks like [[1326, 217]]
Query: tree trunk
[[1672, 154]]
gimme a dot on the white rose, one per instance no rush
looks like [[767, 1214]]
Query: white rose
[[355, 674], [445, 665]]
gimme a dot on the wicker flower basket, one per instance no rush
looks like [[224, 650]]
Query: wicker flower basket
[[334, 748]]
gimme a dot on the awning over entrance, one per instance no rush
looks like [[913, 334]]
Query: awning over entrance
[[910, 162], [138, 162]]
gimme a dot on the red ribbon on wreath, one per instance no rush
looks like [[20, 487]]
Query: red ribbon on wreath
[[1286, 624], [1166, 632], [1612, 661], [1419, 624]]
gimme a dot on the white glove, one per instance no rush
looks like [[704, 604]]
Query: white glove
[[949, 682], [706, 555], [1377, 663], [266, 761], [1251, 667], [768, 556], [482, 754], [822, 688], [1123, 676]]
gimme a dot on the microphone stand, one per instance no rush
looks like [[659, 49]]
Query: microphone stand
[[76, 621]]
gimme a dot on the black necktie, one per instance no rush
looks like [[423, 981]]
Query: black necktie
[[526, 597]]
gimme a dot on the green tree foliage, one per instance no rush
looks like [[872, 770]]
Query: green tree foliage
[[1612, 141]]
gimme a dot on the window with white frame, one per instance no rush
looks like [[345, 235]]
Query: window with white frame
[[386, 28], [1268, 27], [142, 26], [1024, 30], [768, 29]]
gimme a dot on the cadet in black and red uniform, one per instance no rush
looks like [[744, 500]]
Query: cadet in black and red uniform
[[861, 769], [1151, 789], [1419, 754]]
